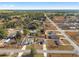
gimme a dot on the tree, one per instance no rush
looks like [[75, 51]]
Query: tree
[[3, 33], [10, 25], [18, 36], [26, 31], [33, 52], [33, 25]]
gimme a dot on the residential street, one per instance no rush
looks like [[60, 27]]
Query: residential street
[[76, 47], [45, 49]]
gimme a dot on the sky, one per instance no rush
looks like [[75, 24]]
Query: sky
[[39, 5]]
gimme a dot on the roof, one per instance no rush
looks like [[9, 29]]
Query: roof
[[33, 31], [6, 40], [53, 35]]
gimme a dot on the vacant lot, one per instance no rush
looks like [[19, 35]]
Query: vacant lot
[[74, 36], [35, 46], [58, 19], [65, 41], [49, 26]]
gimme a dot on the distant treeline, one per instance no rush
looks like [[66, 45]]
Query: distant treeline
[[73, 11]]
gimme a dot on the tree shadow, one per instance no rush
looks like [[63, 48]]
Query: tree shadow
[[28, 55]]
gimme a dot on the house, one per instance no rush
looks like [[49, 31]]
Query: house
[[54, 37], [31, 26], [43, 18], [9, 40], [41, 41], [11, 36], [77, 26], [32, 33], [72, 28]]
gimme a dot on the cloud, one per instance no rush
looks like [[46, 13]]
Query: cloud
[[6, 5]]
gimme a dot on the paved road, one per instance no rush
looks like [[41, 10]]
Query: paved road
[[45, 49], [13, 50], [59, 51], [55, 51], [63, 33], [38, 51], [65, 30]]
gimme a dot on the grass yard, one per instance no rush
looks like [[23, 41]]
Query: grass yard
[[52, 46]]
